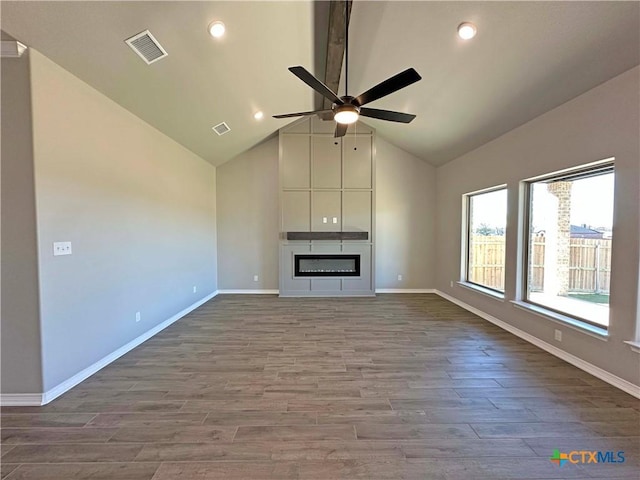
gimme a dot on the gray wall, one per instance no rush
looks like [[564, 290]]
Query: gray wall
[[138, 208], [21, 362], [248, 219], [405, 219], [599, 124]]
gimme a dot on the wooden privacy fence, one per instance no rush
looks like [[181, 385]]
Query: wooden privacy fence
[[589, 263]]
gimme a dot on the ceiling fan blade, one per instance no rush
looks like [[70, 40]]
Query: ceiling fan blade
[[341, 129], [302, 114], [387, 115], [316, 84], [390, 85]]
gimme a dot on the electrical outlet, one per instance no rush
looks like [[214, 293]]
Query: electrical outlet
[[137, 316], [451, 284], [61, 248], [195, 289], [558, 335], [399, 277], [325, 220], [255, 278], [335, 219]]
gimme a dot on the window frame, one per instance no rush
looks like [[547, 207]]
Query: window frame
[[467, 230], [601, 167]]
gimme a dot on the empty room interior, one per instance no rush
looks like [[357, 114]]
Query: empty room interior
[[320, 240]]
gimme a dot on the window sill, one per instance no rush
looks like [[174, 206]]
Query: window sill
[[635, 346], [485, 291], [567, 321]]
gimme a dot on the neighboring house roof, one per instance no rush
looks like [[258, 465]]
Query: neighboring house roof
[[578, 231]]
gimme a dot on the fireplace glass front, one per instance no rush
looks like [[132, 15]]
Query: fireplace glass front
[[324, 265]]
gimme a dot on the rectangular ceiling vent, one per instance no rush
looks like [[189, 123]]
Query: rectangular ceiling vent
[[221, 128], [147, 47]]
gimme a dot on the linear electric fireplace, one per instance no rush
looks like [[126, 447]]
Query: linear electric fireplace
[[325, 265]]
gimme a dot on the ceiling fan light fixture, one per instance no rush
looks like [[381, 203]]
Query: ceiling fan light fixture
[[216, 29], [346, 114], [467, 30]]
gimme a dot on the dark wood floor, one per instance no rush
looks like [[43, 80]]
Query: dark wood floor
[[258, 387]]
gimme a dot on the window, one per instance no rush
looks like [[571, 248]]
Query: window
[[486, 227], [569, 231]]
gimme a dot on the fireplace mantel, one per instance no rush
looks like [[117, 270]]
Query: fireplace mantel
[[328, 236]]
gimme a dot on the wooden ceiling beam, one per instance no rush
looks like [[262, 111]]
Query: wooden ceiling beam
[[335, 45]]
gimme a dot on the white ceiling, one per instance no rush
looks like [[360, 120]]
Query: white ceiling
[[527, 58]]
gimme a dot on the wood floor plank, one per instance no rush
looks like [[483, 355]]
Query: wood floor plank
[[94, 471], [174, 434], [227, 471], [46, 419], [261, 418], [530, 429], [129, 419], [7, 468], [56, 435], [205, 452], [294, 433], [368, 431], [74, 453]]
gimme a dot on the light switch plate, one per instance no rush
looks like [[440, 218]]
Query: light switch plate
[[61, 248]]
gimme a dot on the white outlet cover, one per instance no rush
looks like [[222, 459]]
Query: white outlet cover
[[324, 220], [195, 289], [255, 278], [399, 277], [137, 316], [61, 248], [335, 219]]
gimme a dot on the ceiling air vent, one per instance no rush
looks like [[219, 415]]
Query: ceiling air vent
[[221, 128], [147, 47]]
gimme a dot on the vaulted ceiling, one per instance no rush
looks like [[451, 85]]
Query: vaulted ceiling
[[527, 58]]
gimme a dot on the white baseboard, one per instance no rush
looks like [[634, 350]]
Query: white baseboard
[[405, 290], [21, 399], [276, 292], [598, 372], [55, 392], [248, 292]]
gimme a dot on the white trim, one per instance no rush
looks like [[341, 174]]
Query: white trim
[[575, 169], [248, 292], [406, 290], [565, 320], [68, 384], [12, 49], [21, 399], [483, 290], [598, 372], [635, 346]]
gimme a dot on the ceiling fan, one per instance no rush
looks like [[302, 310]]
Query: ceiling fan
[[347, 109]]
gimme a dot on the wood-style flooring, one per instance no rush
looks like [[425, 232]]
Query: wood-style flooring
[[392, 387]]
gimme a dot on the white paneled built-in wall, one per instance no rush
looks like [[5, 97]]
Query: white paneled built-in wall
[[327, 210]]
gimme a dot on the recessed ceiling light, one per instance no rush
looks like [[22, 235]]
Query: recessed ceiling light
[[216, 29], [467, 30], [258, 115]]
